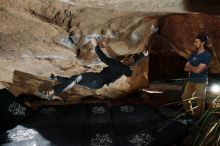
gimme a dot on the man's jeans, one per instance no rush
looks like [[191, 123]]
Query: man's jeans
[[197, 92], [89, 79]]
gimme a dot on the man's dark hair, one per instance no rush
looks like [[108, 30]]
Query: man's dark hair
[[204, 38]]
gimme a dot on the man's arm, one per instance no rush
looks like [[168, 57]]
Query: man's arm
[[109, 61], [103, 57], [100, 54], [195, 69]]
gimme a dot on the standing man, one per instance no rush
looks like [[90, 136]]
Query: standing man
[[197, 66]]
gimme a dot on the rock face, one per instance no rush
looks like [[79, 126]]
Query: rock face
[[30, 42], [34, 38], [24, 83], [174, 41]]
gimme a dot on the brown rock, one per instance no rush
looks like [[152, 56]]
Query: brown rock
[[24, 83], [180, 30], [176, 34]]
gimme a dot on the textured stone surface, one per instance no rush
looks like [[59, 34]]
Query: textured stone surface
[[30, 31], [178, 31]]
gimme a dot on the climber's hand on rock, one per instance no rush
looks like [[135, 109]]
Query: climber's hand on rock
[[103, 42], [94, 42]]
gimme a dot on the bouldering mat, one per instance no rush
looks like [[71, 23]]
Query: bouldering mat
[[99, 114], [76, 125], [134, 114], [100, 136]]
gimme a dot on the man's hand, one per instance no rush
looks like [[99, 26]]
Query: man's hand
[[146, 53], [94, 42], [195, 69], [103, 42], [187, 67]]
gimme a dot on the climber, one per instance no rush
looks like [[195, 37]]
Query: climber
[[94, 80]]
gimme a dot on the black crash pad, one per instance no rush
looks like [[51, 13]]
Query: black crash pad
[[99, 114], [100, 136], [12, 111], [94, 125], [44, 135], [134, 114]]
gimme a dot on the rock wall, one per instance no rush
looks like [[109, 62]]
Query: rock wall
[[33, 35], [30, 36], [177, 33]]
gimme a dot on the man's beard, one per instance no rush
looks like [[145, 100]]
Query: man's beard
[[196, 48]]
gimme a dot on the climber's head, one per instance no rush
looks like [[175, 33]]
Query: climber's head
[[129, 60], [201, 41]]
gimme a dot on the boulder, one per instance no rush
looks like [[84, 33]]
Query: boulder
[[173, 42], [180, 30], [33, 42], [25, 83]]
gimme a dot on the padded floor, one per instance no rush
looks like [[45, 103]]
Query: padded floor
[[93, 125]]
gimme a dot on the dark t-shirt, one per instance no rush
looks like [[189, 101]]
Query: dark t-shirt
[[195, 59], [114, 70]]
